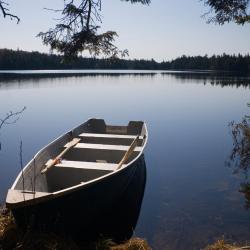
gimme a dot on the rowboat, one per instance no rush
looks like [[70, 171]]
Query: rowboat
[[81, 173]]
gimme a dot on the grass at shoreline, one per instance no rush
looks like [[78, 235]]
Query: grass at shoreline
[[13, 238], [222, 245]]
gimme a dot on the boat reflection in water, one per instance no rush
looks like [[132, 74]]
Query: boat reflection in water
[[118, 222]]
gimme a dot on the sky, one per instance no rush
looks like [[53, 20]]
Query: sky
[[164, 30]]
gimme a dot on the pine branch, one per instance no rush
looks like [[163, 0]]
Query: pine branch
[[77, 31]]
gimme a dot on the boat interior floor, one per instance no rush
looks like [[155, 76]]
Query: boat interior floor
[[94, 156]]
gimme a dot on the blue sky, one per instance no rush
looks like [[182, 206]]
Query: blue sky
[[164, 30]]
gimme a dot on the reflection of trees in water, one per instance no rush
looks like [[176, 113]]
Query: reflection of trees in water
[[240, 156], [212, 77], [10, 118], [10, 80], [38, 75]]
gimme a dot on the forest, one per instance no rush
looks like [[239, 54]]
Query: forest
[[23, 60]]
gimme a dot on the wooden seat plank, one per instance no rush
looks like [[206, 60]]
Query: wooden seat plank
[[104, 147], [109, 136], [87, 165]]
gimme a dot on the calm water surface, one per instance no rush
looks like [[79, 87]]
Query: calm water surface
[[192, 198]]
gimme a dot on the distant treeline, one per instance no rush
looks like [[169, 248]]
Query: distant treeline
[[22, 60]]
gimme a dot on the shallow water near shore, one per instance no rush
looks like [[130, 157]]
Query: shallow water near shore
[[192, 197]]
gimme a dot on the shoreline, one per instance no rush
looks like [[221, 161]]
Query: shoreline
[[11, 237]]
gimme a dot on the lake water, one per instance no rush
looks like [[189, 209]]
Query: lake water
[[192, 197]]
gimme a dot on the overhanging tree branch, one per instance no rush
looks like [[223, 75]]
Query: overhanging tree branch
[[228, 11], [6, 13], [11, 117], [77, 30]]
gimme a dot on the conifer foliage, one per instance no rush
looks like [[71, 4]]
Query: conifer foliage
[[229, 11], [77, 30]]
